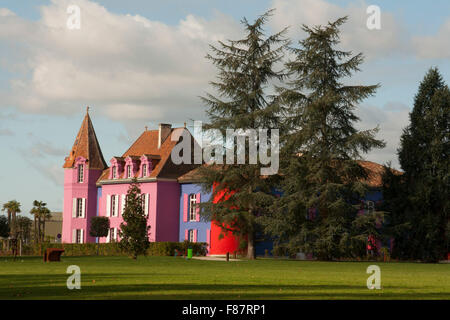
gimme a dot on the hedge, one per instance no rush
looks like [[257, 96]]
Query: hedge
[[112, 249]]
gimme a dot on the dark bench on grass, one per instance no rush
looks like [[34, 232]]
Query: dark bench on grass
[[53, 254]]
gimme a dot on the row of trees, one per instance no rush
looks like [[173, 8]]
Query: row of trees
[[20, 227], [320, 145]]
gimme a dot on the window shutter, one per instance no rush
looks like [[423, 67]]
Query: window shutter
[[185, 207], [186, 234], [74, 207], [116, 206], [108, 237], [147, 203], [74, 235], [83, 208], [195, 235], [208, 238], [197, 210], [123, 203], [108, 205], [81, 236]]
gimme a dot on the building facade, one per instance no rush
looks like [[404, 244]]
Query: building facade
[[170, 191], [92, 188]]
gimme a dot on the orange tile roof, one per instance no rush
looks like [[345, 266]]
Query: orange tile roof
[[374, 171], [147, 144], [86, 145]]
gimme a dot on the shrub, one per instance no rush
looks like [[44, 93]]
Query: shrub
[[113, 249]]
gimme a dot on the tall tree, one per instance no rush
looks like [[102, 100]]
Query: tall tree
[[246, 69], [23, 225], [424, 157], [134, 230], [321, 146], [12, 208], [41, 213]]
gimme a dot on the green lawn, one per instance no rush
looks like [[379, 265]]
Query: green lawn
[[176, 278]]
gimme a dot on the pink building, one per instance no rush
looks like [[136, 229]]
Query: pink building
[[92, 188]]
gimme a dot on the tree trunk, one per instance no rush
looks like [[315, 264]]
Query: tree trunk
[[43, 230], [35, 231], [39, 229], [251, 247]]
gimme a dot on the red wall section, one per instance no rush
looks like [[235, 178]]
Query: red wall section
[[229, 243]]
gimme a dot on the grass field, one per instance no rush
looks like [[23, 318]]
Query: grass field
[[176, 278]]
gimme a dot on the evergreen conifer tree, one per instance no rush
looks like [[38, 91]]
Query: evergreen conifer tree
[[322, 179], [134, 229], [246, 69], [424, 157]]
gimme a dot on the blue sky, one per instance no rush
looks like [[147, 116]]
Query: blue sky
[[141, 62]]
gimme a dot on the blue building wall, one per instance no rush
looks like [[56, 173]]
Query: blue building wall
[[374, 195], [262, 242], [99, 194], [202, 226]]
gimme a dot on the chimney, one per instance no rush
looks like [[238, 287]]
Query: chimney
[[164, 132]]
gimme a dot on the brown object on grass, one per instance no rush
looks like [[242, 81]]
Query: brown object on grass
[[53, 254]]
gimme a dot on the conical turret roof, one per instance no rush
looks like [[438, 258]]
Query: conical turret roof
[[86, 145]]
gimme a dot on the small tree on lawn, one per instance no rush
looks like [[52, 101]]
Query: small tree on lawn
[[134, 230], [99, 228]]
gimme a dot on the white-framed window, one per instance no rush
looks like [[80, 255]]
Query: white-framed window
[[80, 173], [129, 171], [192, 207], [79, 208], [114, 205], [114, 172], [145, 202], [191, 235], [144, 170], [79, 236], [112, 234]]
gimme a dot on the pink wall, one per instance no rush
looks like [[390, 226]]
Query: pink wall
[[120, 189], [163, 208], [163, 205], [73, 189], [168, 211]]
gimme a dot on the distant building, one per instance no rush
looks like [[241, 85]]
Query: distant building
[[53, 227]]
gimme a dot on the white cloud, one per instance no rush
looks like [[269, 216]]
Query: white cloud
[[127, 66], [355, 34], [436, 46], [4, 12], [391, 118]]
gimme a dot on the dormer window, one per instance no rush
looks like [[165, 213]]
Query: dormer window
[[144, 170], [114, 172], [128, 171], [80, 173]]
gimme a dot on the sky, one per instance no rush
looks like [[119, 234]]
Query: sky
[[138, 63]]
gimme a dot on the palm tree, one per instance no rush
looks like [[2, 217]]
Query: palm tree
[[12, 208], [45, 215], [24, 228], [41, 213]]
